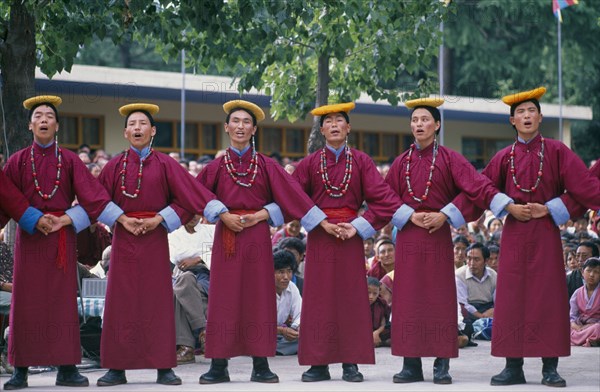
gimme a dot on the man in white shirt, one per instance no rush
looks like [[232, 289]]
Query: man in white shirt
[[190, 248], [289, 303], [476, 285]]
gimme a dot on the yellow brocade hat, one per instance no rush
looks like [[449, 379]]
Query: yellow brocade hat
[[241, 104], [32, 102], [126, 110], [431, 102], [335, 108], [516, 98]]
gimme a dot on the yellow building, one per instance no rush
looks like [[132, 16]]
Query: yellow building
[[476, 127]]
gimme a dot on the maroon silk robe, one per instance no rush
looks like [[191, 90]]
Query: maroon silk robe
[[336, 316], [424, 294], [12, 202], [138, 330], [531, 313], [44, 323], [242, 312]]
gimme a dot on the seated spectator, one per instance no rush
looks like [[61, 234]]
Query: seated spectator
[[585, 250], [101, 269], [463, 339], [289, 303], [84, 273], [379, 314], [369, 247], [6, 278], [494, 253], [460, 243], [95, 169], [290, 229], [494, 225], [190, 247], [476, 286], [298, 249], [386, 289], [91, 242], [585, 307], [384, 259], [572, 263]]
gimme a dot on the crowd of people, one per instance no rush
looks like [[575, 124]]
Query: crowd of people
[[340, 255]]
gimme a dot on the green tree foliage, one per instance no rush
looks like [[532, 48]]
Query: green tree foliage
[[502, 46], [315, 51]]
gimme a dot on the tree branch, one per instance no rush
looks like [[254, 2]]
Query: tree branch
[[297, 43]]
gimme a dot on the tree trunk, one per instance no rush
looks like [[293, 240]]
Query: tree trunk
[[17, 65], [125, 49], [17, 62], [316, 141]]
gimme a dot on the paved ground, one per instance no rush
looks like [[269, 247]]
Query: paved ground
[[471, 372]]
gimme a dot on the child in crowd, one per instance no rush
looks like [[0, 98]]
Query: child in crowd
[[585, 307], [379, 314]]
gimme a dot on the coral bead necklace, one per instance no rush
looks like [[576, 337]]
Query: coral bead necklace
[[139, 175], [237, 175], [34, 173], [540, 172], [340, 190], [429, 178]]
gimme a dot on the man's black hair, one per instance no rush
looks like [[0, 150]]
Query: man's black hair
[[485, 252], [284, 259]]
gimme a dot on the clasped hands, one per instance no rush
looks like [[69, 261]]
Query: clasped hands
[[140, 226], [526, 212], [49, 223], [431, 221]]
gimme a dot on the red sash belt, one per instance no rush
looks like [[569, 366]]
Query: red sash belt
[[340, 214], [61, 257], [229, 235], [421, 209], [141, 214]]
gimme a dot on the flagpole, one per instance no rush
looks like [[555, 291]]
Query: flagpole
[[560, 93]]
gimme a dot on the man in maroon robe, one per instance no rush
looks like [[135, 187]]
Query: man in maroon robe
[[531, 316], [138, 329], [44, 324], [427, 177], [242, 316], [336, 316]]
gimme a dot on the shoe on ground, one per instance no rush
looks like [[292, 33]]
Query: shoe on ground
[[185, 354], [167, 377], [111, 378], [316, 373]]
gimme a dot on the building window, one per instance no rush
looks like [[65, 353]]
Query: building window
[[200, 138], [381, 146], [287, 142], [75, 130], [479, 151]]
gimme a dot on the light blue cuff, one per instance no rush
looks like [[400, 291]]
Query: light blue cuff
[[80, 218], [402, 215], [499, 203], [313, 217], [275, 215], [29, 219], [558, 211], [455, 217], [171, 220], [213, 209], [110, 214], [363, 228]]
